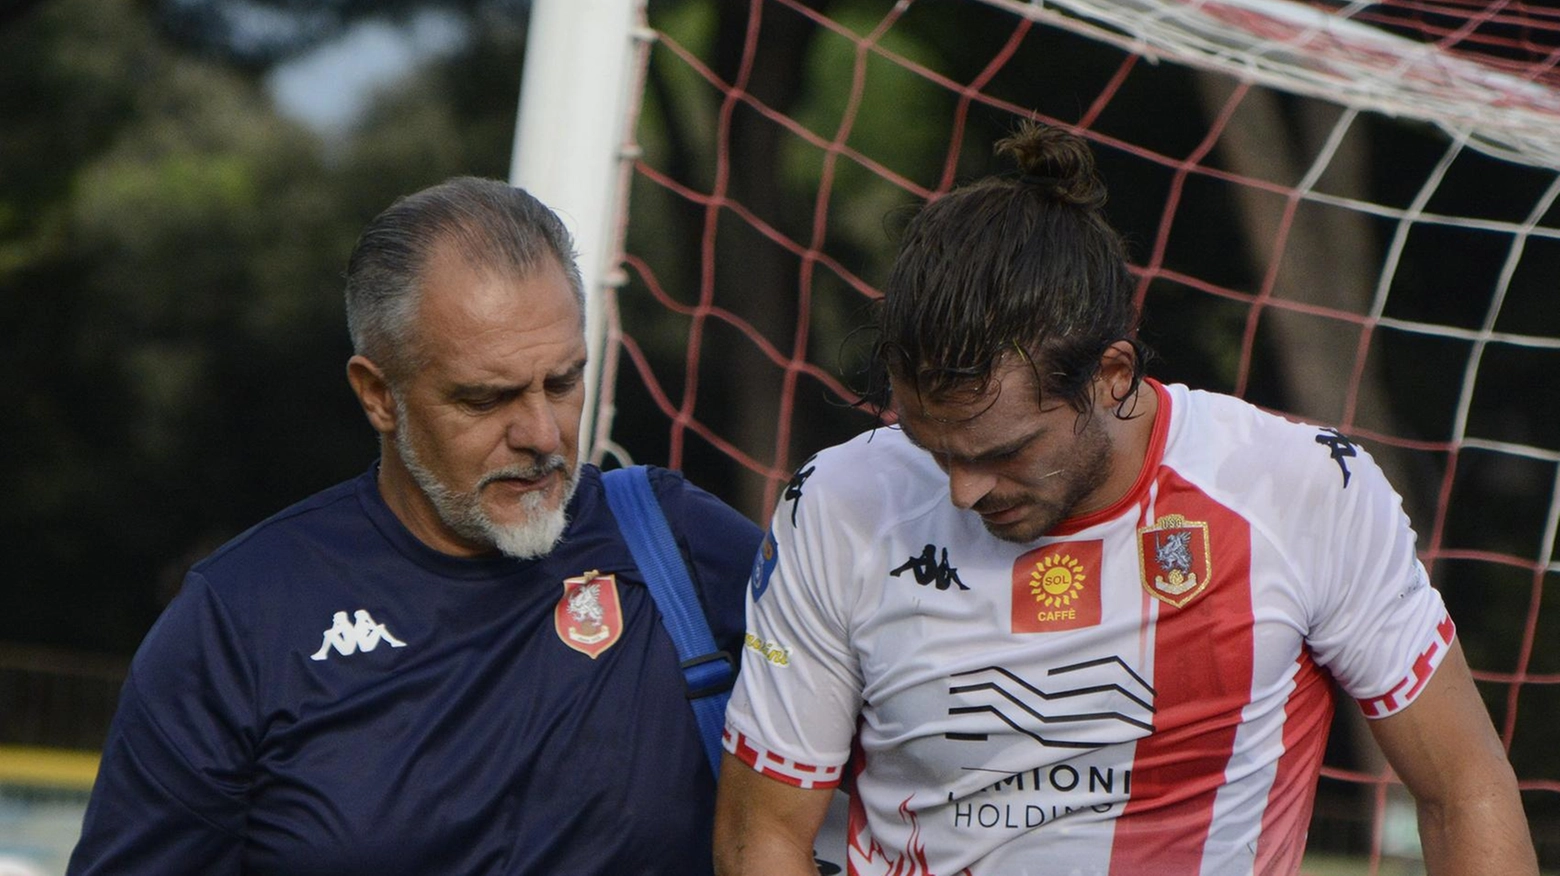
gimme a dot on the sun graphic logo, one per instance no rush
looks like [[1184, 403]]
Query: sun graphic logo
[[1055, 580], [1053, 587]]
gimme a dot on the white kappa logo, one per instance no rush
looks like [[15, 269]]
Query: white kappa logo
[[348, 637]]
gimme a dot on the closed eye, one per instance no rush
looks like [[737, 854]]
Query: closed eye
[[567, 382], [556, 386], [483, 403]]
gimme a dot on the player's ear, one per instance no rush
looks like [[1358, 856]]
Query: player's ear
[[1113, 381], [373, 393]]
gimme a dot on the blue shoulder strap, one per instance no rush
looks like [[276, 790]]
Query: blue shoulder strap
[[708, 671]]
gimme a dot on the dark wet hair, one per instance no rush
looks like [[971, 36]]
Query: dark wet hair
[[493, 225], [1008, 266]]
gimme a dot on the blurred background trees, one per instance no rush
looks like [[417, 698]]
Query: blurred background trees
[[171, 338]]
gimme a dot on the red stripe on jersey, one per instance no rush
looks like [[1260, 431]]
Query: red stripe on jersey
[[1409, 687], [779, 767], [1202, 680], [1307, 718]]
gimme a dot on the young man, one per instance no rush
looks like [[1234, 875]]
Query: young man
[[449, 664], [1072, 620]]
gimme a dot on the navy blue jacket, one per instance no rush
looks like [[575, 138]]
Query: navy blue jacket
[[328, 695]]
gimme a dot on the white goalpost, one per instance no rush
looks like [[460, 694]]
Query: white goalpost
[[572, 150]]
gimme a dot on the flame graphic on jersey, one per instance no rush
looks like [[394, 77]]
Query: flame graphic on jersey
[[1056, 579], [911, 863]]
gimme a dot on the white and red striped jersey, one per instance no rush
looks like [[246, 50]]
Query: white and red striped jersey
[[1145, 690]]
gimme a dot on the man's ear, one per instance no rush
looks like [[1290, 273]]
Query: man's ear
[[373, 393], [1118, 364]]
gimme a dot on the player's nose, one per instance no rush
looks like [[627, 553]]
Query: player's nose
[[966, 485]]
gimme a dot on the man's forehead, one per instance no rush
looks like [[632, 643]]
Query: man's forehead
[[1009, 388], [968, 426]]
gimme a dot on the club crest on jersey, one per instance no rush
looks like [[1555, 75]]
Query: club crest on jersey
[[1057, 587], [763, 566], [1175, 559], [589, 617]]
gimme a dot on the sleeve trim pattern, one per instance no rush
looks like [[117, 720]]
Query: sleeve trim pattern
[[776, 767], [1409, 687]]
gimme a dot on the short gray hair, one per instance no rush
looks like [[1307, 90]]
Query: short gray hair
[[493, 224]]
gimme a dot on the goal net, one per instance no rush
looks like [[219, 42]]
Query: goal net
[[1342, 211]]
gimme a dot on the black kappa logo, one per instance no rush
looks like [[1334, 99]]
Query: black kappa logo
[[793, 489], [1341, 448], [928, 570]]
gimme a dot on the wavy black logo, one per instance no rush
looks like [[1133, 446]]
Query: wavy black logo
[[1083, 705]]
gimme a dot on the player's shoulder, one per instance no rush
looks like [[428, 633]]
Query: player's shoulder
[[1247, 455], [877, 475], [1234, 431]]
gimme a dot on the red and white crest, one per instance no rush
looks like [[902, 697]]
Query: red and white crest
[[589, 617], [1175, 559]]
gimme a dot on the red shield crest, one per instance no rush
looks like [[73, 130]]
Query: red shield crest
[[1175, 559], [589, 617]]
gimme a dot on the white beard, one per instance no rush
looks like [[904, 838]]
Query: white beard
[[534, 536]]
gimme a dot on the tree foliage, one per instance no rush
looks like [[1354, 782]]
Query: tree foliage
[[171, 329]]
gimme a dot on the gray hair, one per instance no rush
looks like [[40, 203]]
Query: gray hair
[[493, 225]]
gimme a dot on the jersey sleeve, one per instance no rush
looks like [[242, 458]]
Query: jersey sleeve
[[169, 798], [1381, 629], [793, 713]]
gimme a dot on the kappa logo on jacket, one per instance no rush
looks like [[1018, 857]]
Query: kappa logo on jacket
[[348, 637]]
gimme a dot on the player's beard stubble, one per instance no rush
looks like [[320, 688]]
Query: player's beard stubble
[[1066, 483]]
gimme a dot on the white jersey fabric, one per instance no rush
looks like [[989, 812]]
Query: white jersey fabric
[[1145, 690]]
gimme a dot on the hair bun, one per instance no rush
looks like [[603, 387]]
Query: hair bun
[[1056, 162]]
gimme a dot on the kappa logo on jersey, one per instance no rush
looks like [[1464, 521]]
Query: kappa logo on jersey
[[763, 566], [349, 637], [1090, 704], [1341, 448], [1175, 559], [793, 489], [928, 570], [1057, 587], [589, 617]]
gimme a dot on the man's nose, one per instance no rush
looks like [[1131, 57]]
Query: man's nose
[[967, 484], [534, 426]]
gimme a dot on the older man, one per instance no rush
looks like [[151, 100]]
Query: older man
[[449, 664]]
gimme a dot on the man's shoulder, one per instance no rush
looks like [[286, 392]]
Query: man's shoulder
[[690, 510], [879, 452], [874, 478], [333, 517], [1224, 426], [1251, 457]]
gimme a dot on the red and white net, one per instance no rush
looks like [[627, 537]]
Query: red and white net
[[1340, 211]]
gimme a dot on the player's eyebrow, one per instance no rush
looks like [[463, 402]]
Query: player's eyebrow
[[1001, 450], [1008, 448]]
